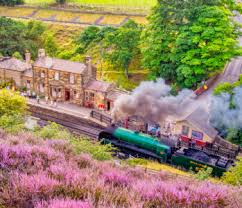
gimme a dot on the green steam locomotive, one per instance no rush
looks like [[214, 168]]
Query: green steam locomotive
[[145, 145]]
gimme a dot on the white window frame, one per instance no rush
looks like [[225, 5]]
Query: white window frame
[[57, 75], [72, 79]]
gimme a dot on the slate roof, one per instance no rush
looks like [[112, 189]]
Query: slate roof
[[61, 65], [97, 85], [114, 94], [13, 64], [200, 119]]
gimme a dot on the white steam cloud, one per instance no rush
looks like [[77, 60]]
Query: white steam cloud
[[151, 100], [222, 115]]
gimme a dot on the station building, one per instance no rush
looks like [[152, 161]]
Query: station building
[[60, 80]]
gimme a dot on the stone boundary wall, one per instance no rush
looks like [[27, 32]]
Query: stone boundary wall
[[83, 12]]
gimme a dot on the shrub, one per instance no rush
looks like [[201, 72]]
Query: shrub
[[11, 2], [11, 103], [53, 131], [98, 151], [204, 174], [234, 175], [63, 203], [116, 178], [12, 123]]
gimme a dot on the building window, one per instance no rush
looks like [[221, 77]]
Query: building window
[[89, 96], [197, 135], [185, 130], [42, 88], [72, 79], [59, 93], [28, 84], [42, 74], [57, 75]]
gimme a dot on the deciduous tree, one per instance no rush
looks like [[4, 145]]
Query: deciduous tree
[[189, 39]]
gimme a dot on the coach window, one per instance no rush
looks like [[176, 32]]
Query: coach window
[[197, 135]]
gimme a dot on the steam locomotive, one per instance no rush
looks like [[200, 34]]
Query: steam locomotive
[[143, 145]]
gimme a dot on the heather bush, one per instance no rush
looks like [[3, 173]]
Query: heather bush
[[51, 174], [116, 177], [63, 203]]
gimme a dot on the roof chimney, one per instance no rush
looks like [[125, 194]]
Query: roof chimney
[[90, 71], [27, 57], [41, 53]]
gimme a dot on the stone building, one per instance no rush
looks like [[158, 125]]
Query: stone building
[[61, 80], [196, 127], [16, 72]]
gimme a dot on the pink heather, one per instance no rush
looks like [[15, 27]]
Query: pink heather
[[63, 203], [48, 175]]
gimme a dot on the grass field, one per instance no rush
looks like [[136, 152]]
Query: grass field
[[132, 3]]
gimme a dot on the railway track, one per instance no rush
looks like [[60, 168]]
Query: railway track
[[75, 128]]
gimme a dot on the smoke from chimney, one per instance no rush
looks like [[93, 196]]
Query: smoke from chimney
[[226, 110], [151, 100]]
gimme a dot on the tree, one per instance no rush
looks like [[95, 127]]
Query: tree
[[60, 1], [86, 38], [11, 2], [187, 40], [50, 45], [16, 36], [123, 45]]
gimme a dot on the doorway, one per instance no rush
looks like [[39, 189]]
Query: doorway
[[108, 106], [67, 95]]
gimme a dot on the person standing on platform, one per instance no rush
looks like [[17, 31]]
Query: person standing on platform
[[46, 99], [38, 99]]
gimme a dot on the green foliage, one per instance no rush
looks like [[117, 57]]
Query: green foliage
[[11, 103], [227, 87], [50, 45], [82, 144], [60, 1], [187, 40], [12, 109], [123, 45], [86, 38], [234, 175], [137, 161], [16, 36], [98, 151], [17, 55], [11, 2], [53, 131], [234, 136], [204, 173], [12, 123]]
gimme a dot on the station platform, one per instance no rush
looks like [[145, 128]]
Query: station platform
[[68, 109]]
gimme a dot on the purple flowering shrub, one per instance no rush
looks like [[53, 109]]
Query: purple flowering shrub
[[36, 173]]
